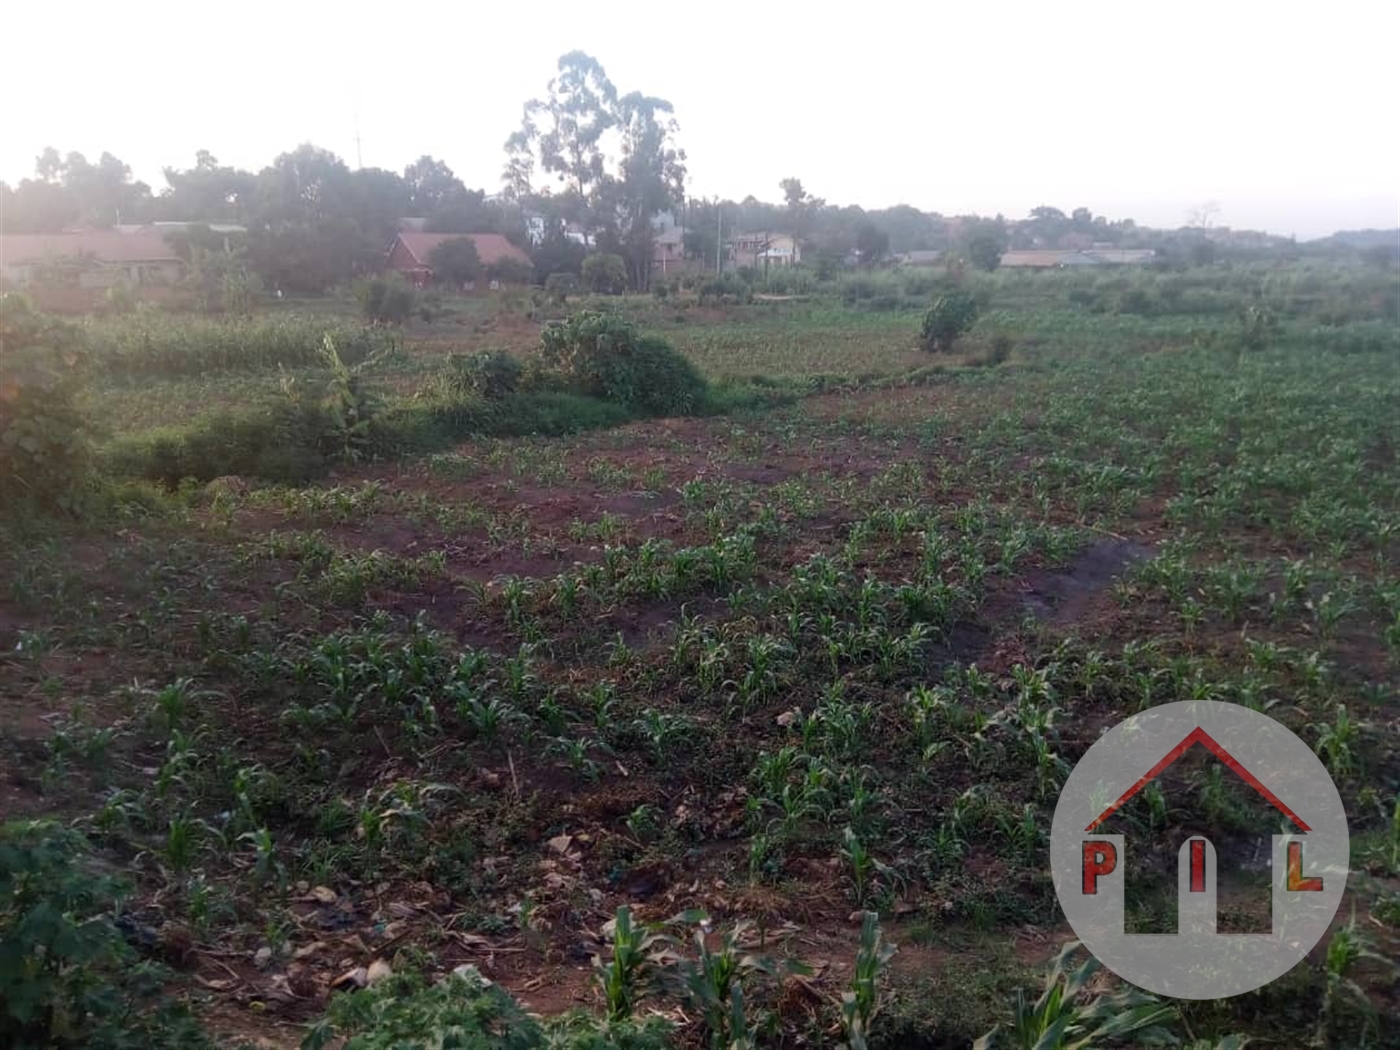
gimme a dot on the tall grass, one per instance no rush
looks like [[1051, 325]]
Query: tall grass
[[156, 344]]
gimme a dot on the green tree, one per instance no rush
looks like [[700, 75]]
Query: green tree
[[984, 249], [431, 184], [950, 316], [511, 271], [386, 298], [562, 133], [615, 198], [455, 261], [208, 192], [872, 243], [605, 274], [802, 208]]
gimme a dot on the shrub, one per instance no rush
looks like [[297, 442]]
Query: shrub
[[1136, 301], [726, 288], [67, 977], [950, 316], [469, 1012], [291, 439], [455, 261], [511, 271], [1257, 327], [655, 378], [386, 298], [603, 356], [490, 373], [559, 286], [605, 274], [45, 446]]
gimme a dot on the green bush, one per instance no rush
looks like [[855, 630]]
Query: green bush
[[950, 317], [605, 274], [602, 356], [511, 271], [654, 378], [455, 261], [45, 446], [559, 286], [466, 1012], [726, 288], [276, 441], [490, 373], [386, 298], [292, 439], [68, 979]]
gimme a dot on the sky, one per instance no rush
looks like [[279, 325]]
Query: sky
[[1286, 113]]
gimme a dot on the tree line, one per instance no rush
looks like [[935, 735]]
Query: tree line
[[589, 171]]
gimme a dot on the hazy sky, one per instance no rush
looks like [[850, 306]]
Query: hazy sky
[[1286, 113]]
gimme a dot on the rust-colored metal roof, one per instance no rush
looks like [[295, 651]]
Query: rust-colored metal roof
[[491, 247], [1034, 258], [103, 245]]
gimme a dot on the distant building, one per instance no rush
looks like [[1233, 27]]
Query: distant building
[[410, 251], [921, 257], [1058, 259], [90, 258], [763, 248], [668, 253]]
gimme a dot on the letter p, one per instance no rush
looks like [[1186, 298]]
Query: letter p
[[1100, 858]]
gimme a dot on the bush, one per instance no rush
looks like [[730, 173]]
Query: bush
[[605, 274], [511, 271], [603, 356], [654, 378], [45, 446], [292, 439], [455, 261], [559, 286], [950, 317], [67, 977], [471, 1013], [386, 298], [725, 288], [1257, 327], [490, 373]]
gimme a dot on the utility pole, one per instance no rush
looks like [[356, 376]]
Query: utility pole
[[359, 159], [719, 244]]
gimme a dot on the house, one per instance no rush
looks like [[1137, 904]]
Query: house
[[921, 257], [668, 252], [91, 259], [537, 228], [1033, 259], [410, 251], [1060, 259], [763, 248]]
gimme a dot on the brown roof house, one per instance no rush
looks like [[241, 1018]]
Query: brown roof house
[[410, 251], [90, 258]]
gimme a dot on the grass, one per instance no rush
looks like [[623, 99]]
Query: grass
[[831, 653]]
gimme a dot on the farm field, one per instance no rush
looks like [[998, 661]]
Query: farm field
[[826, 649]]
